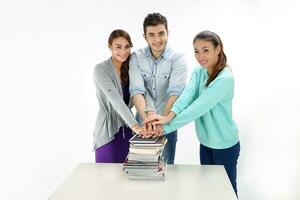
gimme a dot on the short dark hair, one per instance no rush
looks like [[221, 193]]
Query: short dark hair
[[154, 19]]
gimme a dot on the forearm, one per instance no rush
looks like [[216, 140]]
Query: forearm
[[169, 104], [140, 105]]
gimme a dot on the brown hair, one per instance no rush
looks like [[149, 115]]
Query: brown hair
[[125, 65], [222, 59]]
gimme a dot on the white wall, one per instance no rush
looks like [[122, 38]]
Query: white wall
[[48, 105]]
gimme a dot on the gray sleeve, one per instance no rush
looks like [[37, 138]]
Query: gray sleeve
[[104, 82]]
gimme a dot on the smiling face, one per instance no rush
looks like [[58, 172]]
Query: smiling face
[[206, 53], [157, 38], [120, 49]]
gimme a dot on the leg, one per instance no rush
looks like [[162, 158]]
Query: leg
[[105, 153], [122, 144], [228, 158], [116, 150], [170, 148], [206, 155]]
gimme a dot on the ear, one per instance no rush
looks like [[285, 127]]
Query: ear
[[218, 49], [109, 46], [144, 36]]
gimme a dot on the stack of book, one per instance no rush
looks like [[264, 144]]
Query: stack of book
[[144, 160]]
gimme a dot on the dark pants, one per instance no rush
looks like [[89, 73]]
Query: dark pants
[[227, 157], [116, 150], [170, 148]]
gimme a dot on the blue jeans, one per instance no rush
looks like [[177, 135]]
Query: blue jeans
[[170, 148], [226, 157]]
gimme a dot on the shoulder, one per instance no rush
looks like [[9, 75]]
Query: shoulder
[[102, 68], [140, 52], [225, 78], [174, 56], [226, 74]]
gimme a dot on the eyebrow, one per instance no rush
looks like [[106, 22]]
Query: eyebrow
[[121, 44], [160, 32], [201, 48]]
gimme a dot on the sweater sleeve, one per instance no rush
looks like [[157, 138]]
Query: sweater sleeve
[[213, 94], [105, 83]]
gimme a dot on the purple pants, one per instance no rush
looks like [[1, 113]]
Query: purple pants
[[116, 150]]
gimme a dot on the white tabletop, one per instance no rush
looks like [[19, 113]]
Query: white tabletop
[[107, 181]]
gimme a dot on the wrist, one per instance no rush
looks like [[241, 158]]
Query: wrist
[[135, 126], [150, 112], [171, 115]]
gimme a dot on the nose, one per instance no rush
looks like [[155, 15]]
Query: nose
[[124, 52], [156, 39]]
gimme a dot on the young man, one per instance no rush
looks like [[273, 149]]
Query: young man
[[157, 77]]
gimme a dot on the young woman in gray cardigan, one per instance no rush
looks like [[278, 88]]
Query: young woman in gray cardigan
[[111, 133]]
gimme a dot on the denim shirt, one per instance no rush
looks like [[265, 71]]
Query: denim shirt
[[157, 79]]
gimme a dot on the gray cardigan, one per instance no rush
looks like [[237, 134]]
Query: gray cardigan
[[113, 112]]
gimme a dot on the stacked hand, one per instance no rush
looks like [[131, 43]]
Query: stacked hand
[[137, 129], [153, 125]]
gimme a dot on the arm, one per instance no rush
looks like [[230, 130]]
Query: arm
[[178, 76], [169, 104], [206, 101], [140, 105], [188, 94], [104, 82], [184, 100], [137, 87]]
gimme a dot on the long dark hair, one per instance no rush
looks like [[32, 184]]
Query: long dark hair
[[125, 65], [222, 59]]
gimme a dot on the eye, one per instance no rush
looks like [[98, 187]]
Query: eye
[[205, 50], [196, 51], [128, 46], [162, 34]]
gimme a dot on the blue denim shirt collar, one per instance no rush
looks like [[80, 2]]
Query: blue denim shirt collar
[[165, 54]]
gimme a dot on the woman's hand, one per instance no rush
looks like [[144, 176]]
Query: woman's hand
[[159, 120], [137, 129]]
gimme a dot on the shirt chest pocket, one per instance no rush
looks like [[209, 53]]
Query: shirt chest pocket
[[146, 76], [164, 76]]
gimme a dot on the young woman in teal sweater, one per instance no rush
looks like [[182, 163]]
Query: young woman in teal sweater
[[207, 100]]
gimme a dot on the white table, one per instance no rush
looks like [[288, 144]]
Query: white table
[[107, 181]]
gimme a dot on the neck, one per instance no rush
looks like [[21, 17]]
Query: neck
[[209, 71], [117, 64], [156, 54]]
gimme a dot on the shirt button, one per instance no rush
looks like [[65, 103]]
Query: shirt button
[[153, 88]]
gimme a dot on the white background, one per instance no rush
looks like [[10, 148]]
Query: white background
[[48, 106]]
